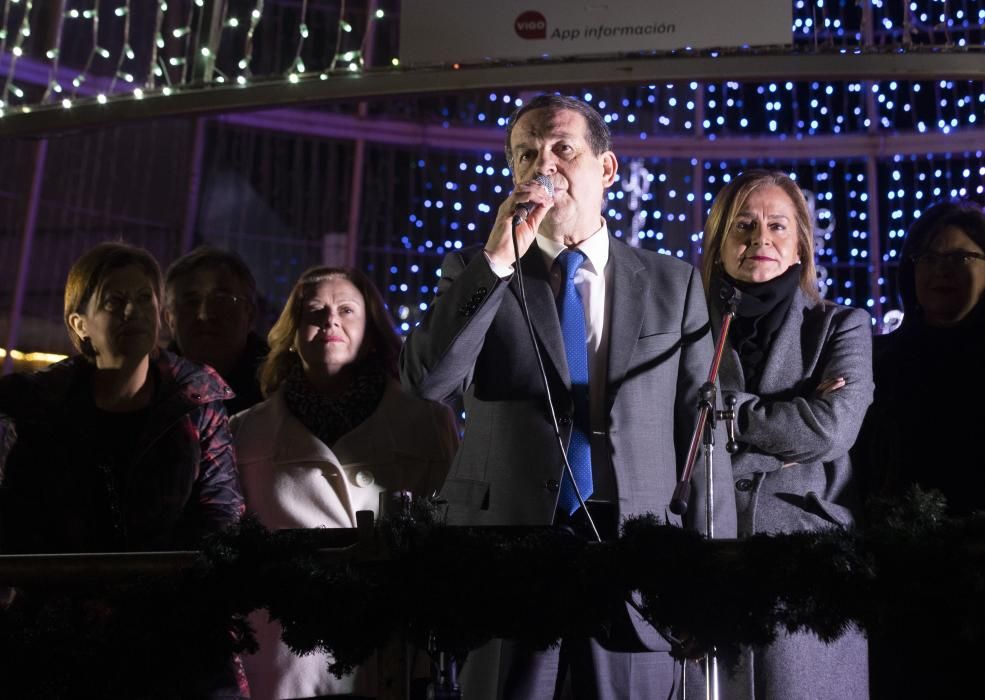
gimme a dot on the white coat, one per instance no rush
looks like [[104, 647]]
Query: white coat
[[291, 479]]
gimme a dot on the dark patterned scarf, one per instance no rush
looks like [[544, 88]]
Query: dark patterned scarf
[[760, 313], [328, 417]]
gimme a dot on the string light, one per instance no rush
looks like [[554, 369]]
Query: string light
[[154, 69], [823, 23], [344, 28], [297, 66], [666, 217], [94, 16], [184, 32], [3, 29], [17, 51], [255, 16]]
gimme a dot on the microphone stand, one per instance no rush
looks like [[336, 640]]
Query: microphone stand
[[704, 435]]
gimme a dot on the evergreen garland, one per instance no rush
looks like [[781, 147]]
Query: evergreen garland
[[917, 572]]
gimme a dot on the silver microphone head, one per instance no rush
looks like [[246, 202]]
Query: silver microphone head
[[546, 183], [524, 208]]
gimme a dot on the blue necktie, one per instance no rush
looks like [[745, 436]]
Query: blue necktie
[[571, 313]]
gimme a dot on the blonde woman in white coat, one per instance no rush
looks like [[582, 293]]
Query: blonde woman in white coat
[[335, 432]]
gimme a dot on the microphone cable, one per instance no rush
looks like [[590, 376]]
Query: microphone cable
[[568, 472]]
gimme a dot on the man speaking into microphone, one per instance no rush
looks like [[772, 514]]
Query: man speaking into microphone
[[625, 342]]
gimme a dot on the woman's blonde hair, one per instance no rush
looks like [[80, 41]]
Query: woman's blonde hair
[[729, 203], [383, 340]]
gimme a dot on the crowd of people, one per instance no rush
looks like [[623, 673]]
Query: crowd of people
[[579, 360]]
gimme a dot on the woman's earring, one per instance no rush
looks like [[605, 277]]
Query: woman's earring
[[86, 346]]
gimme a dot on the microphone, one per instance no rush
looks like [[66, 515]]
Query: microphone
[[522, 209], [730, 295]]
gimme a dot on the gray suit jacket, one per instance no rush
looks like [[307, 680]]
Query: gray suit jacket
[[474, 340]]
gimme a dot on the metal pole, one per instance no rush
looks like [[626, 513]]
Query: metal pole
[[213, 15], [51, 40], [24, 261], [711, 659], [872, 181], [697, 182], [194, 187], [359, 152]]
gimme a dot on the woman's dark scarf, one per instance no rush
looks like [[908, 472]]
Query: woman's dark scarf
[[761, 310], [327, 417]]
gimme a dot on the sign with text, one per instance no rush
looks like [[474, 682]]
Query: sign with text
[[447, 31]]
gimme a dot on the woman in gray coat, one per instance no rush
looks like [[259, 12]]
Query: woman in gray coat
[[800, 370]]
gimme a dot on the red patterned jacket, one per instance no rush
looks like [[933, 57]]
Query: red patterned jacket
[[177, 481]]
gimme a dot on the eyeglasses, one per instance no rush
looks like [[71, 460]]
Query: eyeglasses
[[218, 300], [951, 259]]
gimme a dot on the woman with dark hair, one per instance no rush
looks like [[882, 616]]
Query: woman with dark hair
[[123, 447], [800, 371], [335, 433], [928, 371]]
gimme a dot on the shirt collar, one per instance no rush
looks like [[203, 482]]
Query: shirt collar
[[595, 248]]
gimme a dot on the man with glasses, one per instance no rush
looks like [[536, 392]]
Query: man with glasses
[[210, 308]]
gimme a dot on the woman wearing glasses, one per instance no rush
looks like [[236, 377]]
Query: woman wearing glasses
[[929, 370], [923, 426]]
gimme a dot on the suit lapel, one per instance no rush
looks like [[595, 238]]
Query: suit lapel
[[543, 309], [625, 298]]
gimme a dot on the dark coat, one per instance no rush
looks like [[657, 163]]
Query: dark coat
[[921, 430], [244, 378], [57, 494]]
